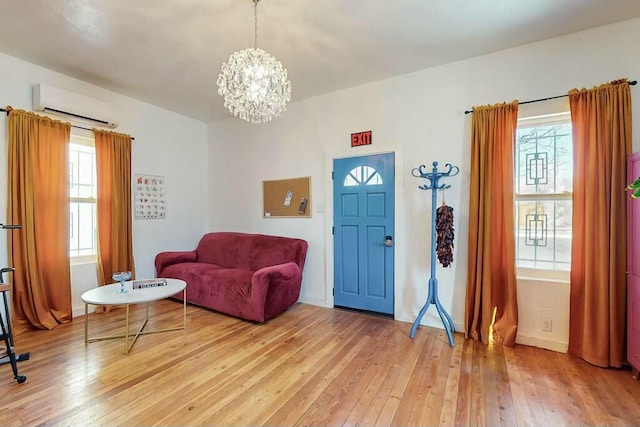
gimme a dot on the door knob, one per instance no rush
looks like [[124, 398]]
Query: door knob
[[388, 241]]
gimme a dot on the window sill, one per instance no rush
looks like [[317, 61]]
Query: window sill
[[540, 275], [543, 279]]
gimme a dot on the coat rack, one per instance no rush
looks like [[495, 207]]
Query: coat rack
[[434, 185]]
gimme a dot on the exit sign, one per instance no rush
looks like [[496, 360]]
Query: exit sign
[[361, 138]]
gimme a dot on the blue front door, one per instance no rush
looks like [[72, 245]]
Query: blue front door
[[363, 211]]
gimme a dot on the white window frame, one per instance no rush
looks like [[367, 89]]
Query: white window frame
[[86, 140], [545, 274]]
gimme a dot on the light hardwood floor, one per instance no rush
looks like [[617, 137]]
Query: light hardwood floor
[[309, 366]]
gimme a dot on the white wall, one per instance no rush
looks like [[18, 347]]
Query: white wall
[[166, 144], [422, 115]]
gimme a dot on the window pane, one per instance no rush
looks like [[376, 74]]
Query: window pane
[[82, 229], [544, 159], [371, 176], [543, 233], [82, 167], [349, 181]]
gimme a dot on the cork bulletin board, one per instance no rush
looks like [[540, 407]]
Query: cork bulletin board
[[287, 198]]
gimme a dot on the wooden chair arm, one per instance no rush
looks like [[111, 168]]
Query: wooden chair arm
[[5, 287]]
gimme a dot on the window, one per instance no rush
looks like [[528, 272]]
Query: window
[[83, 193], [362, 175], [543, 186]]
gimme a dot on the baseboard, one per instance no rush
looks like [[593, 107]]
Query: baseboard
[[315, 301], [560, 347], [79, 311]]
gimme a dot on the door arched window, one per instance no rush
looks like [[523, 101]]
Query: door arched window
[[362, 175]]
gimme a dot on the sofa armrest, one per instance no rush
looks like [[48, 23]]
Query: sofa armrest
[[165, 259], [278, 286], [277, 274]]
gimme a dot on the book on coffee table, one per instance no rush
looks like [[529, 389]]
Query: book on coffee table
[[149, 283]]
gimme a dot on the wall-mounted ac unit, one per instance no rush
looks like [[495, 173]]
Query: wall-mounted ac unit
[[73, 106]]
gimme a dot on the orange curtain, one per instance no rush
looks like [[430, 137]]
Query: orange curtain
[[491, 279], [601, 119], [115, 231], [38, 199]]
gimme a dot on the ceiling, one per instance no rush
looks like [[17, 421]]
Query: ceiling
[[169, 52]]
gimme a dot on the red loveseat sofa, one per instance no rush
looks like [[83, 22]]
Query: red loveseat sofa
[[250, 276]]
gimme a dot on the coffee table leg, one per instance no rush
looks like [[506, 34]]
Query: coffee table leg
[[184, 308], [86, 323], [126, 331]]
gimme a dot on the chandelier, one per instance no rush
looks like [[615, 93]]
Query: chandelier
[[254, 84]]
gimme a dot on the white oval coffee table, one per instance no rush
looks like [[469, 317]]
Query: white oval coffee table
[[110, 295]]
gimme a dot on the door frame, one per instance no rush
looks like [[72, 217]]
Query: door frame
[[399, 266]]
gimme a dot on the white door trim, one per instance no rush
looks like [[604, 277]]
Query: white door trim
[[400, 257]]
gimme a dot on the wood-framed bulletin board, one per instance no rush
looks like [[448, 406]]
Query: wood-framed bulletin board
[[289, 198]]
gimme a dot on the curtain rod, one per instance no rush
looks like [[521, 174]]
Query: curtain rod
[[4, 110], [631, 83]]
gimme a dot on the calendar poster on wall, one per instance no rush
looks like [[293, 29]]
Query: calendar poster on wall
[[150, 201]]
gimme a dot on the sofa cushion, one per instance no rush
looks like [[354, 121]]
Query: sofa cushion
[[250, 251], [190, 271]]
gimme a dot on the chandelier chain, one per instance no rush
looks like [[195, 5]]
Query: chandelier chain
[[255, 24]]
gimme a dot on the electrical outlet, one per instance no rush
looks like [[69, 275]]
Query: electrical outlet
[[547, 324]]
